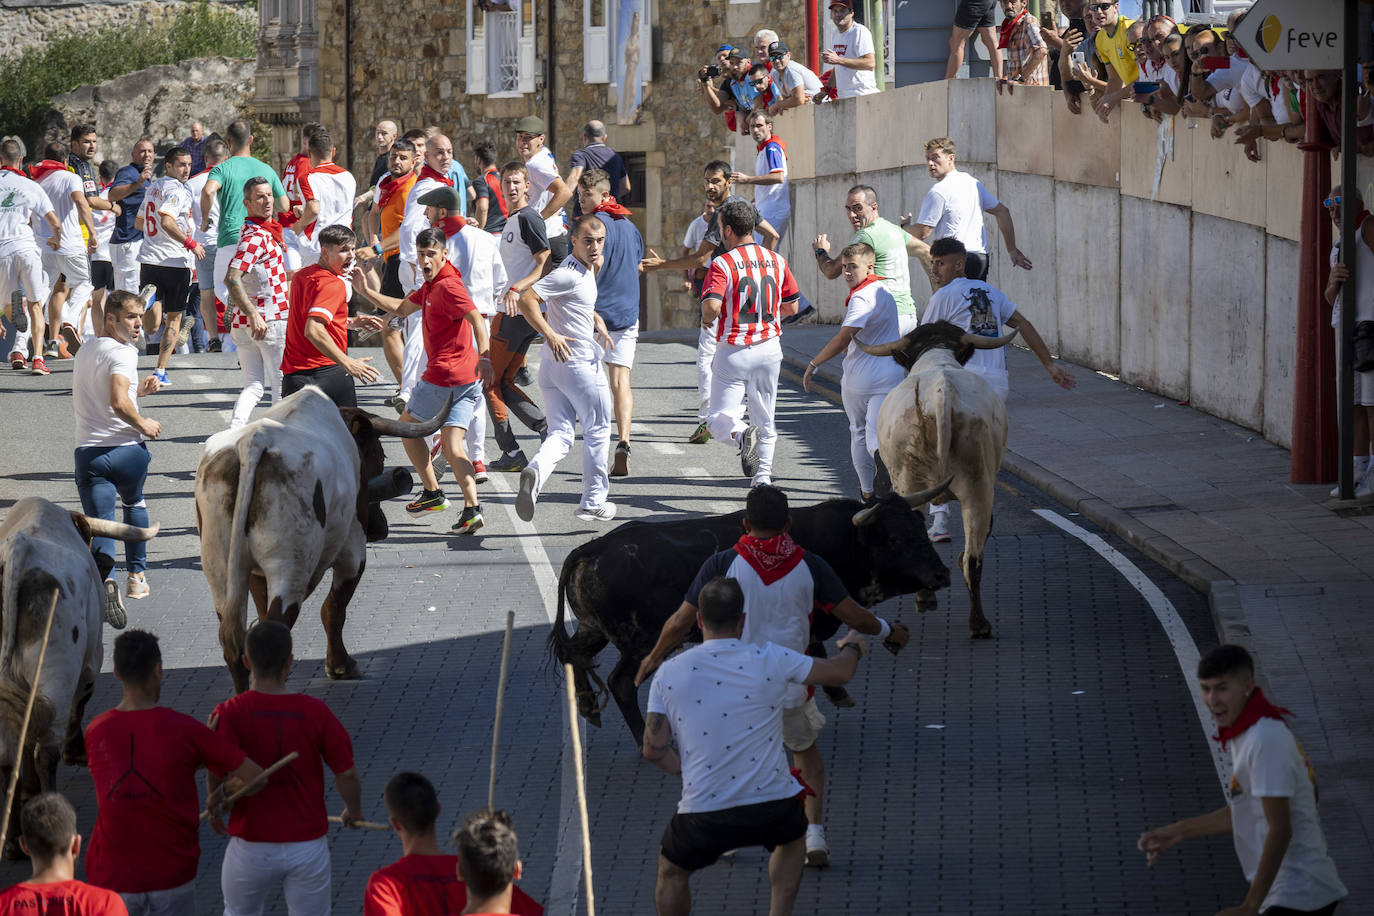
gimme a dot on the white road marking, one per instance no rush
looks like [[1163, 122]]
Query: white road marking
[[666, 448], [1185, 650], [198, 378]]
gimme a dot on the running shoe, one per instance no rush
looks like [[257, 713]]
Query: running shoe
[[19, 316], [162, 380], [397, 403], [620, 466], [148, 294], [72, 338], [799, 317], [214, 346], [602, 513], [701, 435], [114, 607], [939, 528], [136, 588], [39, 366], [438, 462], [479, 472], [50, 350], [527, 497], [749, 451], [469, 521], [183, 334], [513, 462], [817, 852], [434, 501], [17, 360], [522, 377]]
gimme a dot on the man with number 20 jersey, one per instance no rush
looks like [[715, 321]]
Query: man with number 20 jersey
[[749, 288]]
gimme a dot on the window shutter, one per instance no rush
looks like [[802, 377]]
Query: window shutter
[[477, 66], [526, 62], [596, 48]]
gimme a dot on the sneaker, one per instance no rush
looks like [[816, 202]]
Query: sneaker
[[522, 377], [817, 852], [793, 319], [162, 380], [19, 316], [602, 513], [397, 403], [527, 497], [114, 607], [148, 294], [749, 451], [620, 466], [39, 366], [514, 462], [17, 360], [1364, 487], [72, 338], [701, 435], [428, 502], [939, 528], [214, 346], [438, 462], [479, 472], [136, 588], [183, 334], [50, 350], [469, 521]]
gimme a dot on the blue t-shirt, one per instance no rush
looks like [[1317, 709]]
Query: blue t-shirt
[[459, 177], [124, 230], [617, 283], [598, 156]]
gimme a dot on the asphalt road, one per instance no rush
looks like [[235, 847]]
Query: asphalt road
[[1002, 776]]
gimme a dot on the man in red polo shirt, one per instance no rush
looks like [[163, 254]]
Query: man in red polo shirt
[[424, 881], [278, 838], [317, 325], [450, 378], [143, 759]]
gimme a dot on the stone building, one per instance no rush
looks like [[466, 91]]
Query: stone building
[[473, 67]]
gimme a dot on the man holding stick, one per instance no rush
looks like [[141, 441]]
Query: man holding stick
[[143, 760], [278, 837]]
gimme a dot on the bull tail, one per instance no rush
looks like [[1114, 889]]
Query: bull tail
[[558, 636], [233, 620], [944, 433]]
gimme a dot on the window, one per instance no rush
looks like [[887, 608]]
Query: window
[[611, 42], [500, 39]]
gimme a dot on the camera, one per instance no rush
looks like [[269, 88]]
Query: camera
[[710, 71]]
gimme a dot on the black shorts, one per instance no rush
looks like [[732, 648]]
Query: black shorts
[[1287, 911], [333, 380], [694, 841], [391, 278], [976, 265], [102, 275], [173, 285], [974, 14]]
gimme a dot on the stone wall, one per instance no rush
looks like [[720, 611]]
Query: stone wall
[[28, 24]]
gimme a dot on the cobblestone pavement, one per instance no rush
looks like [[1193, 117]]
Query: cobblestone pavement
[[1010, 776]]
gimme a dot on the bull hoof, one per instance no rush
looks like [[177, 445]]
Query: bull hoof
[[980, 632], [348, 672], [586, 708], [840, 698], [926, 602]]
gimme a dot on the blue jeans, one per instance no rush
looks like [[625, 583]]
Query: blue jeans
[[101, 473]]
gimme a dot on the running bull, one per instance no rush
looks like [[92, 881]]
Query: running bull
[[944, 422], [624, 586], [286, 498], [44, 548]]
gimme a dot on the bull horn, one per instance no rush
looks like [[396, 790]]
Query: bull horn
[[917, 500], [104, 528], [979, 342], [410, 429], [887, 349], [865, 516]]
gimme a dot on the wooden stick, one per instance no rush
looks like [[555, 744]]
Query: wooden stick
[[364, 825], [262, 777], [500, 707], [24, 727], [581, 788]]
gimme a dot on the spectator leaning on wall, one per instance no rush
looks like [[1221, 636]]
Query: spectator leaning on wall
[[1025, 50]]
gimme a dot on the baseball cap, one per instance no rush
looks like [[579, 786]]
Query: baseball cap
[[444, 196], [725, 47], [778, 49], [530, 124], [844, 3], [736, 52]]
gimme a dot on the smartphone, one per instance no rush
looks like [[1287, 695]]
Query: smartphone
[[1078, 58], [1216, 63]]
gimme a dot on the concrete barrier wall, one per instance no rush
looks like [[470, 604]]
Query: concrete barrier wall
[[1160, 255]]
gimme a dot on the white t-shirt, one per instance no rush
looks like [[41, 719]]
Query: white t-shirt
[[796, 75], [857, 42], [59, 186], [1278, 101], [872, 310], [334, 187], [21, 201], [412, 224], [1169, 77], [194, 186], [569, 294], [477, 256], [724, 700], [978, 308], [955, 207], [696, 231], [1228, 77], [96, 422], [166, 195], [104, 228], [543, 170], [1269, 763], [771, 200]]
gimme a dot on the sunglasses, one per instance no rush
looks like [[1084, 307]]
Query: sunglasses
[[1100, 7], [1331, 202], [758, 82]]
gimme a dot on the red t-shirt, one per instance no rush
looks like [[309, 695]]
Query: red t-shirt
[[61, 898], [147, 825], [316, 292], [448, 342], [290, 808], [428, 886]]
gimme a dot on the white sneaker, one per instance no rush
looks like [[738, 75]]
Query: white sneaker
[[939, 528], [602, 513], [817, 852], [1365, 487]]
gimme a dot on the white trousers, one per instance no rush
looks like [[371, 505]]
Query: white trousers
[[706, 353], [176, 901], [23, 268], [476, 438], [124, 259], [260, 361], [740, 376], [223, 255], [253, 871], [576, 392], [861, 404], [414, 360]]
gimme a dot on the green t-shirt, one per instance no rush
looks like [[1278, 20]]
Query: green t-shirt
[[888, 242], [232, 174]]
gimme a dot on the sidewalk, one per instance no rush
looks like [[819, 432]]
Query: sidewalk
[[1211, 502]]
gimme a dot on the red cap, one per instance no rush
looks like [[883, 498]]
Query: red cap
[[847, 4]]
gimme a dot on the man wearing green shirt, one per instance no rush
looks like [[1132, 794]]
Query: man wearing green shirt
[[225, 186], [891, 247]]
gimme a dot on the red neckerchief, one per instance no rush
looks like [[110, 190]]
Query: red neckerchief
[[428, 172], [388, 187], [806, 789], [1009, 27], [20, 172], [1256, 708], [46, 167], [868, 281], [828, 88], [327, 168], [612, 207], [782, 147], [771, 559], [451, 226], [270, 226]]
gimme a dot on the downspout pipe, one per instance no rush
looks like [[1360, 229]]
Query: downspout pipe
[[813, 37]]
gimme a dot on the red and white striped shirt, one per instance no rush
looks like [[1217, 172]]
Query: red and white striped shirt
[[259, 258], [752, 284]]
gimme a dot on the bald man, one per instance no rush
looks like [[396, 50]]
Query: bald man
[[595, 154]]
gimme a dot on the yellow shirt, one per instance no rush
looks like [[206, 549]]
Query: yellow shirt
[[1113, 49]]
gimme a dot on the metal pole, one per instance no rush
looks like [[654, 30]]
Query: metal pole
[[1345, 395], [875, 26]]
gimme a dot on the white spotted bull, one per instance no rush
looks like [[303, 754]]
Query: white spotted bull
[[43, 548]]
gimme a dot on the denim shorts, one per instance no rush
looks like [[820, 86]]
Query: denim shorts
[[428, 399], [205, 270]]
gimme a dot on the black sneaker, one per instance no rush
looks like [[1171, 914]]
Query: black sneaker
[[514, 462], [522, 377], [527, 497], [114, 606], [749, 451], [469, 521], [428, 502], [214, 346], [620, 466], [800, 316], [19, 316]]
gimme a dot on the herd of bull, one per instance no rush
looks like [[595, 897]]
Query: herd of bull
[[285, 499]]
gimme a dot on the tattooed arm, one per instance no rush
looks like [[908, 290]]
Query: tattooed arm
[[658, 744]]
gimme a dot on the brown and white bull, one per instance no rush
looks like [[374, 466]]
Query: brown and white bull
[[943, 420], [44, 547], [285, 499]]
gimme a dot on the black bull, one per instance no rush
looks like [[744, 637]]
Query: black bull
[[625, 585]]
